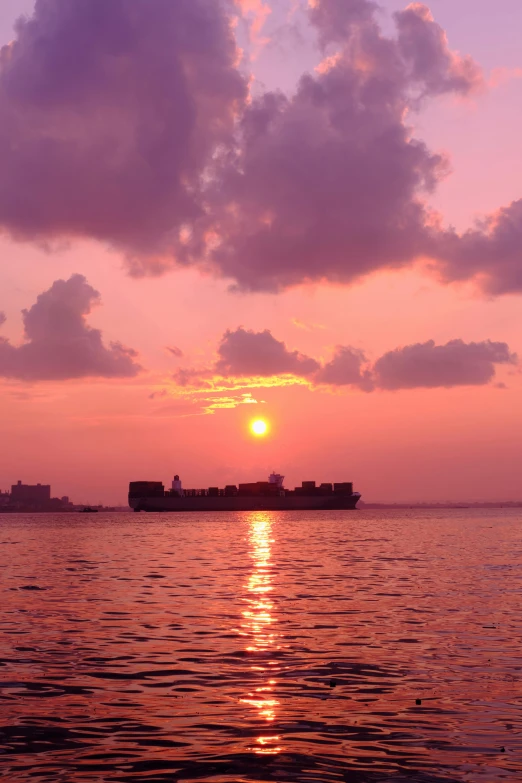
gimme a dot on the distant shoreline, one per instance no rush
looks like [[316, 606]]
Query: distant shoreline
[[362, 507], [79, 510], [507, 504]]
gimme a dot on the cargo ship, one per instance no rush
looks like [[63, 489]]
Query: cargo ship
[[268, 495]]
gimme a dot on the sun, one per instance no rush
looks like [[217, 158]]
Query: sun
[[259, 427]]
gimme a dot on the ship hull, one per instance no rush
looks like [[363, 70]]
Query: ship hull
[[205, 503]]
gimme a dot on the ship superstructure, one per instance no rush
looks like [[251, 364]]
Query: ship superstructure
[[268, 495]]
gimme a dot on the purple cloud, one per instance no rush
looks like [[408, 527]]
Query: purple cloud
[[110, 113], [175, 351], [60, 344], [248, 353], [490, 252], [335, 19], [423, 46], [193, 377], [329, 184], [128, 122], [426, 365], [349, 367]]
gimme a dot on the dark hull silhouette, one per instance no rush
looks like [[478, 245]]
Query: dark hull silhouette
[[246, 503]]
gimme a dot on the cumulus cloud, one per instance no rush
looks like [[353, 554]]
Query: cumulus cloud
[[426, 365], [423, 46], [335, 19], [247, 353], [330, 183], [490, 252], [252, 356], [130, 123], [348, 367], [244, 356], [59, 344], [110, 113]]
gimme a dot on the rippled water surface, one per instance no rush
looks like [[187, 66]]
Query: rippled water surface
[[261, 646]]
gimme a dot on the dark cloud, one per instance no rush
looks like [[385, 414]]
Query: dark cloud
[[175, 351], [329, 184], [490, 252], [2, 318], [426, 365], [423, 46], [60, 344], [110, 113], [349, 367], [247, 353], [128, 122], [335, 19]]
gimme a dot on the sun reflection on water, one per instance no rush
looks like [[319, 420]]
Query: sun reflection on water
[[258, 627]]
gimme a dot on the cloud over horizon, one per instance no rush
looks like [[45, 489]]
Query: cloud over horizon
[[131, 124], [59, 344], [430, 366], [245, 352], [348, 367], [254, 356]]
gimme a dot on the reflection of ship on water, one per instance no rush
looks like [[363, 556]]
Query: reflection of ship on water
[[258, 629]]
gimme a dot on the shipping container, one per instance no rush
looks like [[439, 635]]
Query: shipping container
[[344, 488], [146, 489]]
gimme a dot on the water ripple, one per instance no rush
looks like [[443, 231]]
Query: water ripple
[[363, 647]]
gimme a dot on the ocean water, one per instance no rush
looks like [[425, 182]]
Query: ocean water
[[261, 647]]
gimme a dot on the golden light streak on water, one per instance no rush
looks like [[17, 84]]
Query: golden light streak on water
[[259, 628]]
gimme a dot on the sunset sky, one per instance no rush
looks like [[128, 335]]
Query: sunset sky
[[305, 212]]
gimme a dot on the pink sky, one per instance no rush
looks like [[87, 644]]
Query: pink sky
[[323, 225]]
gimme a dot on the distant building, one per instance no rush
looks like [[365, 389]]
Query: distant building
[[32, 498], [28, 494]]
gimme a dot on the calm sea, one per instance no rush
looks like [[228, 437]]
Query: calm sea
[[261, 647]]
